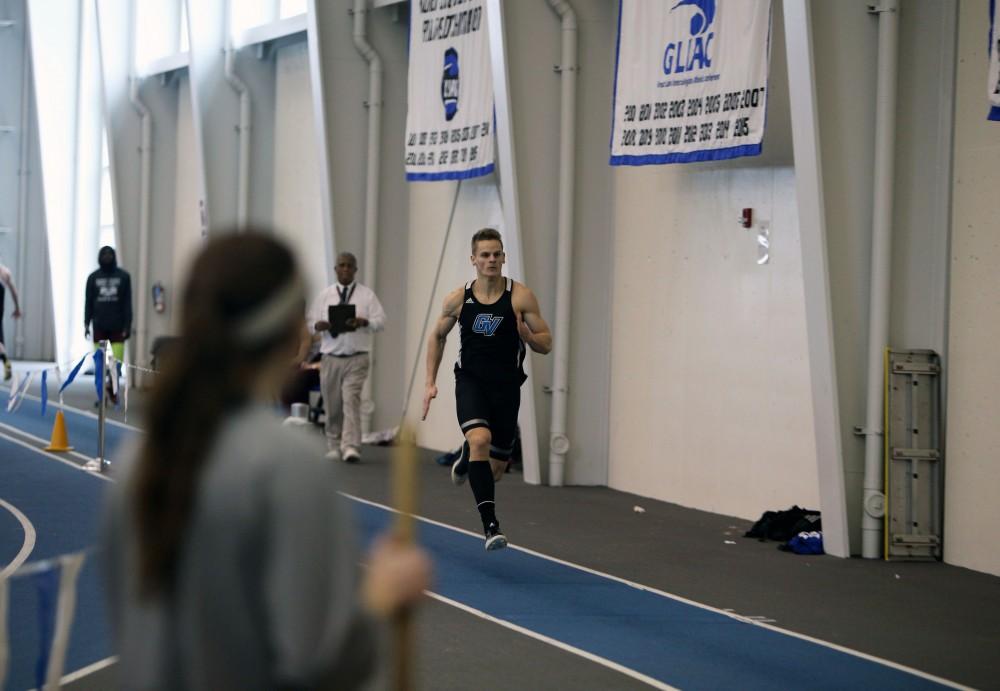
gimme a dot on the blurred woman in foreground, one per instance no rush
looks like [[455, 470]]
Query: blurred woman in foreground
[[231, 557]]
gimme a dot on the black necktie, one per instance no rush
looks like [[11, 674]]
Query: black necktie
[[343, 294]]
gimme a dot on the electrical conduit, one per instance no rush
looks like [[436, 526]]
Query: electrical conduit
[[243, 173], [881, 268], [371, 180], [142, 326], [558, 441]]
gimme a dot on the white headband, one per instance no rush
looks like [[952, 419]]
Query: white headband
[[273, 314]]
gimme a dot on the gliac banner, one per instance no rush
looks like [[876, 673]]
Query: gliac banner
[[449, 123], [690, 80], [994, 71]]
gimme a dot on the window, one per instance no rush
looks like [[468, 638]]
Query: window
[[161, 30], [290, 8], [246, 14], [185, 38]]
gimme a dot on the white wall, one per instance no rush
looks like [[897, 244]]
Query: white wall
[[430, 206], [710, 399], [533, 48], [710, 402], [296, 206], [345, 93], [707, 402], [972, 461]]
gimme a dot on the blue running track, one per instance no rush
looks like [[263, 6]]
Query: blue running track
[[62, 504], [681, 645]]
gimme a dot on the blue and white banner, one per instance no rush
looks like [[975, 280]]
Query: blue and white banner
[[449, 120], [18, 388], [690, 80], [993, 83]]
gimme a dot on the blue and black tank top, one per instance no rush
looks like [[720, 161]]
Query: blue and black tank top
[[490, 346]]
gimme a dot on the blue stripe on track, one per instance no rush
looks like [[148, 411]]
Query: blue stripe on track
[[679, 644], [63, 504]]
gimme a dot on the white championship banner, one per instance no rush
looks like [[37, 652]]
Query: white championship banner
[[690, 80], [449, 121], [993, 83]]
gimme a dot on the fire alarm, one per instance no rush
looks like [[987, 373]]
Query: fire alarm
[[746, 219]]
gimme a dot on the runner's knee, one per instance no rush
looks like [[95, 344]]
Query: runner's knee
[[479, 443]]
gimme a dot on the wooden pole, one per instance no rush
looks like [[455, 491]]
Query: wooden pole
[[405, 489]]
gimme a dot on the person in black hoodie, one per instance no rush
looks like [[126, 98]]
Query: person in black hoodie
[[109, 303]]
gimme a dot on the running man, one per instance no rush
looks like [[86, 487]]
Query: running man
[[497, 318], [6, 280]]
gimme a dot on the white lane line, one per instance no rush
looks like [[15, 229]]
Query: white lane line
[[53, 456], [21, 432], [678, 598], [81, 411], [29, 540], [627, 671], [89, 669]]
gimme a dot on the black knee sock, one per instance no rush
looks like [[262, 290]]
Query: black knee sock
[[481, 481]]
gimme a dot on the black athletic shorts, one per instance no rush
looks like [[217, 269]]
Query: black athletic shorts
[[493, 406]]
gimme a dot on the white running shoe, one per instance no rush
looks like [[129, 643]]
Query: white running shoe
[[494, 538], [332, 455]]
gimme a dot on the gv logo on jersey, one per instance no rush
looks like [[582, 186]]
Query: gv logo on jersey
[[449, 84], [486, 324]]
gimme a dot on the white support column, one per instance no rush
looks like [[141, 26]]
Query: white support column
[[216, 113], [507, 177], [24, 132], [243, 131], [319, 122], [815, 272], [880, 291], [559, 443], [372, 167]]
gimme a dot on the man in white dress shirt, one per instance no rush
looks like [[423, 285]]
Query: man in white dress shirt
[[345, 362]]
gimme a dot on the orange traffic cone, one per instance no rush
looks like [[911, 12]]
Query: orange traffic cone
[[59, 442]]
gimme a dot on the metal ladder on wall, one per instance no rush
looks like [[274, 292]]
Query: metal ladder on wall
[[914, 456]]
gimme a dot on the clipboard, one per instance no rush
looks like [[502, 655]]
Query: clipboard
[[338, 316]]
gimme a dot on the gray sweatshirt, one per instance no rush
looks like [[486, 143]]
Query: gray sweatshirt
[[266, 590]]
